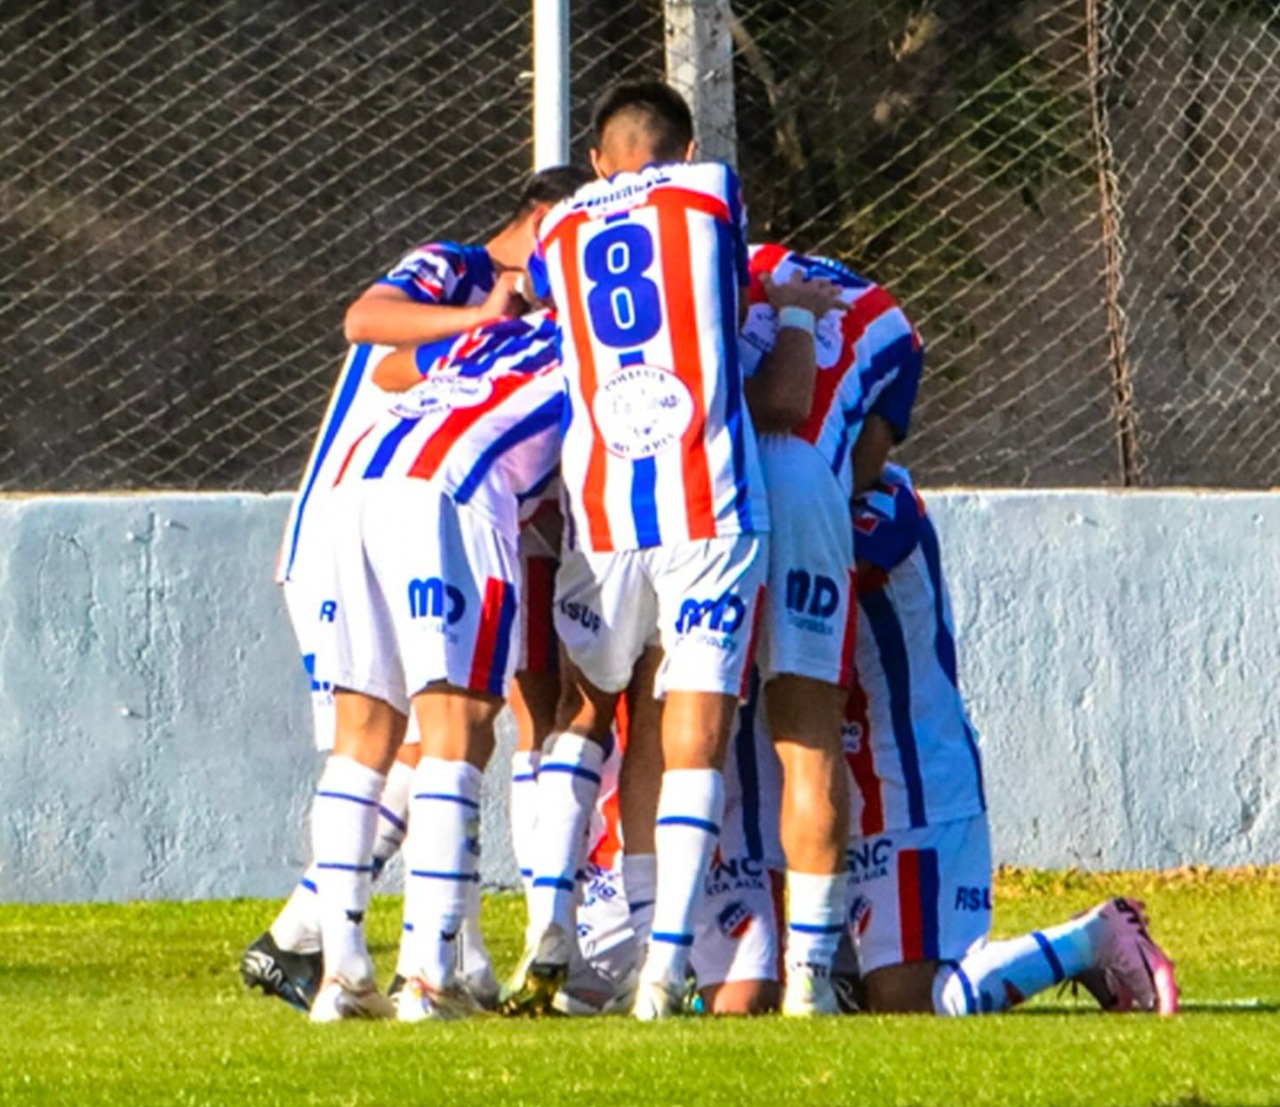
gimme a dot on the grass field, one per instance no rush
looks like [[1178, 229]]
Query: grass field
[[140, 1004]]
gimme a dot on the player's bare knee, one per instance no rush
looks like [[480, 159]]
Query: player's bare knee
[[741, 997]]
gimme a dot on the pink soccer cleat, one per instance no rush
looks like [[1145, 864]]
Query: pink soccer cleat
[[1130, 972]]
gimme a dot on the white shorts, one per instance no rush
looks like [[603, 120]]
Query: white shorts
[[810, 613], [699, 600], [920, 895], [735, 925], [304, 599], [426, 592]]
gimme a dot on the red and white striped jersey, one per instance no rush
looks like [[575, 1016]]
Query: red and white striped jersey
[[869, 357], [484, 422], [645, 270], [438, 273], [910, 746]]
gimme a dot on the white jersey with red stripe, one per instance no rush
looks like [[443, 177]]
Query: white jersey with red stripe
[[437, 273], [484, 422], [869, 357], [910, 746], [646, 270]]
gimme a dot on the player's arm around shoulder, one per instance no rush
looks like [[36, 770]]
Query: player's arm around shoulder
[[386, 316], [780, 393]]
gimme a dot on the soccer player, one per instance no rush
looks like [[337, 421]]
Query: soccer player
[[667, 523], [426, 581], [920, 853], [438, 290], [864, 362]]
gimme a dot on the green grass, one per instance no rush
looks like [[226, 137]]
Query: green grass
[[139, 1004]]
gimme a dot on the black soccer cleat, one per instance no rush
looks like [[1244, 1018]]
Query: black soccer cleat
[[293, 977]]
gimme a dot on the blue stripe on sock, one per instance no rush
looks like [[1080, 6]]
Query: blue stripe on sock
[[309, 885], [344, 868], [811, 928], [407, 928], [671, 939], [445, 797], [970, 992], [1050, 955], [393, 818], [351, 799], [572, 770], [524, 778], [431, 874], [688, 820], [553, 882], [640, 905], [526, 872]]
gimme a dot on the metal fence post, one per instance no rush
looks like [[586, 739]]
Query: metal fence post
[[699, 46]]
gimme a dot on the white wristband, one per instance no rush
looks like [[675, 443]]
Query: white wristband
[[800, 318]]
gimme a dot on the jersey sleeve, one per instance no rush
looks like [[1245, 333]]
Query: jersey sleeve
[[895, 373], [887, 522], [428, 275], [539, 278]]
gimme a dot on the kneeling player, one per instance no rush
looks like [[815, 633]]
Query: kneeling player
[[920, 853]]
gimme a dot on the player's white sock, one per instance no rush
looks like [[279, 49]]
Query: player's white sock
[[297, 927], [998, 975], [442, 861], [815, 917], [393, 815], [523, 811], [473, 956], [640, 882], [344, 815], [568, 783], [690, 807]]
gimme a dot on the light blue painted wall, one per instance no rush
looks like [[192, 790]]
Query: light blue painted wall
[[1120, 653]]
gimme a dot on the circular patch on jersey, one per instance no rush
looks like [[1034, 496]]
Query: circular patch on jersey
[[440, 393], [642, 411]]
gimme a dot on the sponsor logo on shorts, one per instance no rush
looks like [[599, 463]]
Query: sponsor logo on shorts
[[328, 611], [973, 899], [734, 920], [812, 599], [722, 616], [869, 860], [734, 875], [581, 614], [432, 598]]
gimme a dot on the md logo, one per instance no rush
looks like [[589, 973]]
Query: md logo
[[434, 599], [724, 615], [812, 594]]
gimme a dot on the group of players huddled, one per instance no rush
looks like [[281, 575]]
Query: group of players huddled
[[628, 475]]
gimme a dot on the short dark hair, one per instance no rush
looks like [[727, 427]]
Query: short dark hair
[[549, 186], [659, 108]]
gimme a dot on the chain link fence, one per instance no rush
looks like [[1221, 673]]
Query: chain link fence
[[1075, 200]]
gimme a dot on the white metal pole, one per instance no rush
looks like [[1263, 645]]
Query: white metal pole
[[550, 83]]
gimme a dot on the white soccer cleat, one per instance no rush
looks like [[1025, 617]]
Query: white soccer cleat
[[338, 1000], [418, 1001], [662, 998], [1130, 971], [809, 992]]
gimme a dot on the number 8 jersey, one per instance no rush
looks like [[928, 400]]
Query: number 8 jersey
[[645, 270]]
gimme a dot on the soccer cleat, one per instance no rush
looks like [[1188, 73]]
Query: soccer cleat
[[1130, 971], [543, 969], [809, 992], [483, 987], [418, 1001], [293, 977], [338, 999], [657, 999]]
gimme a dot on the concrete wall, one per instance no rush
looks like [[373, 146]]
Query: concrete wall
[[1119, 650]]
